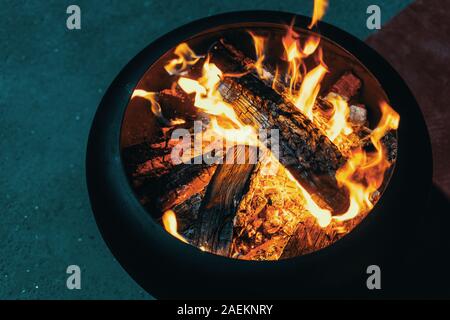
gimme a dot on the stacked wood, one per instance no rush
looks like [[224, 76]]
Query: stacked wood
[[233, 209], [347, 87], [305, 150]]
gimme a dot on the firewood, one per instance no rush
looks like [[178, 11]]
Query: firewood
[[267, 217], [347, 86], [310, 237], [188, 217], [305, 151], [223, 195], [272, 222], [185, 201], [179, 191]]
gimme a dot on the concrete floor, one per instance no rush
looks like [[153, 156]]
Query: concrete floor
[[51, 81]]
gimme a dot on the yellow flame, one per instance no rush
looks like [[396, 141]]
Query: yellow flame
[[294, 53], [363, 174], [311, 45], [259, 43], [185, 58], [209, 99], [320, 7], [323, 216], [309, 90], [169, 221], [338, 123], [389, 121]]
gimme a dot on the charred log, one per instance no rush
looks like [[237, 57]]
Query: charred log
[[228, 185], [305, 151], [188, 181], [185, 200], [310, 237]]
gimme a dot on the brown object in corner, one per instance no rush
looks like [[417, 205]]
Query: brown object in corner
[[417, 43]]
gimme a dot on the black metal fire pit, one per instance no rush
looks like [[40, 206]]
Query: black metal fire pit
[[168, 268]]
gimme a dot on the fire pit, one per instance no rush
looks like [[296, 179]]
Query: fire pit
[[251, 137]]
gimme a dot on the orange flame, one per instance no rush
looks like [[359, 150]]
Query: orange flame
[[363, 174], [305, 98], [169, 221], [309, 90], [323, 216], [311, 45], [338, 124], [320, 7], [259, 43], [186, 58], [209, 99], [293, 55]]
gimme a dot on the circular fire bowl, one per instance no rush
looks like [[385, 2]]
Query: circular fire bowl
[[169, 268]]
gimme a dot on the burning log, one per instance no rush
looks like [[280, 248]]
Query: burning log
[[267, 216], [187, 181], [186, 199], [273, 222], [305, 151], [228, 185], [234, 210], [310, 237]]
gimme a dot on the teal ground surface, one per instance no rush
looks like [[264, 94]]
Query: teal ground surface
[[51, 81]]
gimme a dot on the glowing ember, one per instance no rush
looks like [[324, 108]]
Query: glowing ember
[[323, 216]]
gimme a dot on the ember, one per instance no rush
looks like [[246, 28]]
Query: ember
[[323, 160]]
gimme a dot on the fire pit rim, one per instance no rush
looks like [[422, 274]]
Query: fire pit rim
[[106, 177]]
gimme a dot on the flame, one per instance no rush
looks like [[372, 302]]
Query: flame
[[276, 77], [185, 58], [323, 216], [293, 55], [338, 124], [389, 121], [209, 99], [259, 42], [363, 174], [309, 90], [311, 45], [320, 7], [169, 221], [155, 106], [304, 98]]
